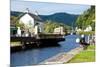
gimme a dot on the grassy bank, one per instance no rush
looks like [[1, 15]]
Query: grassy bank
[[87, 55], [86, 33]]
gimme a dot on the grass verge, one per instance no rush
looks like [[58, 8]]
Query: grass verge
[[86, 33], [87, 55]]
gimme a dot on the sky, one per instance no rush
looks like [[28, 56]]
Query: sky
[[47, 8]]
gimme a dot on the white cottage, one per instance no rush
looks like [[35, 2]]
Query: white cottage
[[88, 28], [59, 30], [32, 22]]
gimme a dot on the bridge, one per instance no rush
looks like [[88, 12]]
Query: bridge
[[38, 40]]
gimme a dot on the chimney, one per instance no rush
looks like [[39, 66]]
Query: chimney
[[36, 13], [27, 10]]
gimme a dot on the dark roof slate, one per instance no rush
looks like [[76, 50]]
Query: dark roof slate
[[36, 17]]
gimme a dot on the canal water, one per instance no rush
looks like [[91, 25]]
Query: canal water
[[38, 55]]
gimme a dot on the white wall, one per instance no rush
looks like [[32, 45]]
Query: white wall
[[59, 30], [27, 19]]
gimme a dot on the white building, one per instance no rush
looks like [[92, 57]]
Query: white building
[[30, 21], [89, 28], [77, 29], [59, 30]]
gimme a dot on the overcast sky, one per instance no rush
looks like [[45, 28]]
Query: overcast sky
[[47, 8]]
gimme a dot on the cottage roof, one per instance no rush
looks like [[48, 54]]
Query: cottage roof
[[36, 17], [20, 14]]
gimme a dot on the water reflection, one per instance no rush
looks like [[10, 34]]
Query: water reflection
[[35, 56]]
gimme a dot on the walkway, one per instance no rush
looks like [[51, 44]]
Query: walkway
[[63, 57]]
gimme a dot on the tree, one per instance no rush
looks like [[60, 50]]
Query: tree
[[15, 21], [49, 26], [87, 18]]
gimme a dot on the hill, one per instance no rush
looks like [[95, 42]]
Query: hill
[[65, 18], [60, 18]]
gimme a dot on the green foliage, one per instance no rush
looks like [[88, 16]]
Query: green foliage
[[49, 26], [86, 33], [87, 18], [91, 47], [21, 25], [15, 21]]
